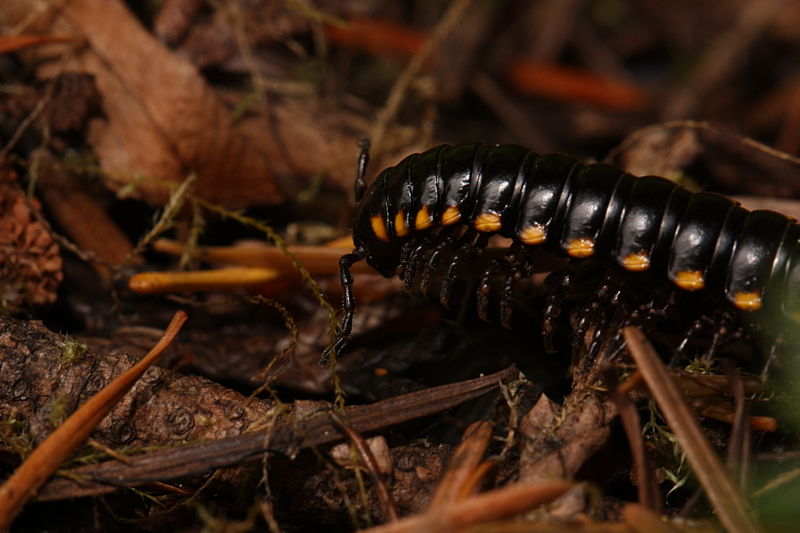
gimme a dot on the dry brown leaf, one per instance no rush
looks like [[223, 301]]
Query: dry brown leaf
[[163, 121]]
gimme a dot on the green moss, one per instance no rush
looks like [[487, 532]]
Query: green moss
[[72, 350]]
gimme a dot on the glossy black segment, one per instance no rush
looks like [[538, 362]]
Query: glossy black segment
[[428, 184], [500, 169], [586, 213], [696, 239], [752, 263], [641, 219], [545, 186], [457, 165]]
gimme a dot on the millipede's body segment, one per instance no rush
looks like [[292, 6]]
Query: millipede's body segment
[[699, 240]]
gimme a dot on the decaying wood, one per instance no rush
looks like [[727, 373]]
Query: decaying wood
[[61, 443], [455, 507], [43, 377], [368, 459], [559, 439]]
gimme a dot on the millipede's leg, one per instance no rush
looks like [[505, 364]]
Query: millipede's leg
[[447, 239], [507, 298], [485, 287], [348, 303], [405, 252], [602, 325], [552, 308], [467, 248], [519, 265], [414, 259], [588, 317], [695, 328], [722, 323], [772, 354], [644, 317]]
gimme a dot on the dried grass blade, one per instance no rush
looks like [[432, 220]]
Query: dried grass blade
[[729, 504]]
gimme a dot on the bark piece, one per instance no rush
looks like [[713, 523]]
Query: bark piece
[[40, 377], [558, 440]]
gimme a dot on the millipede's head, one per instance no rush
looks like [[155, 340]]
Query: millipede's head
[[371, 233], [382, 256]]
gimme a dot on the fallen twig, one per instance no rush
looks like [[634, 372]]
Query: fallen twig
[[317, 429]]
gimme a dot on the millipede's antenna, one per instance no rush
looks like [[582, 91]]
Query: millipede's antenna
[[363, 162]]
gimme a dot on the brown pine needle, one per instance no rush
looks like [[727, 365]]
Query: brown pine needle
[[467, 457], [647, 486], [319, 260], [384, 496], [489, 506], [644, 520], [56, 448], [202, 280], [12, 43], [473, 483]]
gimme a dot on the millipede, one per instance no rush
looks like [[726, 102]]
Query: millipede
[[452, 198]]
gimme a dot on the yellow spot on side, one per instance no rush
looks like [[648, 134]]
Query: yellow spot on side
[[451, 216], [747, 301], [488, 222], [424, 219], [533, 234], [400, 227], [637, 262], [580, 248], [380, 372], [379, 228], [690, 280]]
